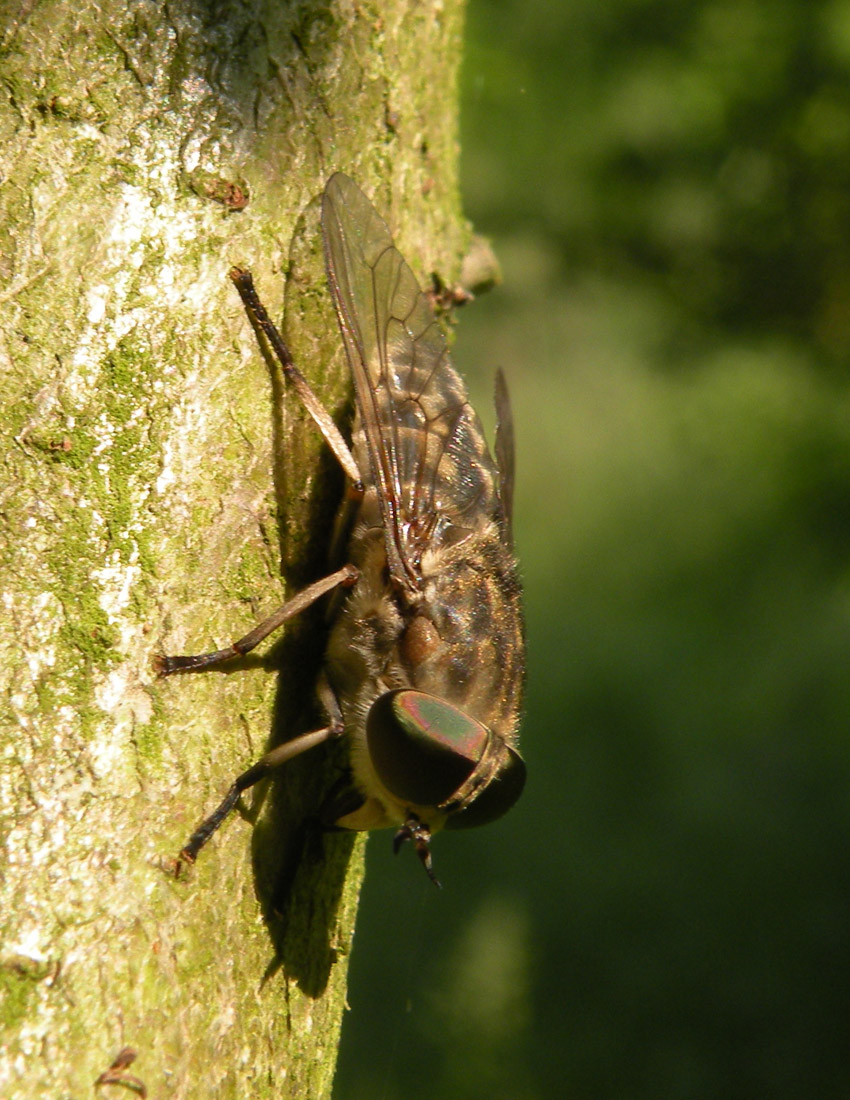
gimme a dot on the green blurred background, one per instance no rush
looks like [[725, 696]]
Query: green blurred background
[[666, 913]]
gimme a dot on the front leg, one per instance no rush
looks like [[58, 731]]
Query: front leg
[[272, 760], [243, 782]]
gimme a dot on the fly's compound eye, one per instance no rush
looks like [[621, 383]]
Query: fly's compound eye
[[424, 750]]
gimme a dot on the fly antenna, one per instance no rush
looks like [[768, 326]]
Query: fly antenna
[[420, 835]]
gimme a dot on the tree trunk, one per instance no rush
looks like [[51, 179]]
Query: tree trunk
[[158, 480]]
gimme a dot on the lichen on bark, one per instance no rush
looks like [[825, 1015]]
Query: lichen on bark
[[162, 491]]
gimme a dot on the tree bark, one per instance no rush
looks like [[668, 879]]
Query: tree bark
[[158, 480]]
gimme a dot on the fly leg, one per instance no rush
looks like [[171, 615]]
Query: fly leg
[[264, 325], [269, 337], [345, 577], [166, 666], [266, 331], [272, 760], [258, 771]]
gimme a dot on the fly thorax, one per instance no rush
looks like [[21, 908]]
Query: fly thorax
[[419, 643]]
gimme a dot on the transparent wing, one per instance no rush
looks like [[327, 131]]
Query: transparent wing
[[435, 477]]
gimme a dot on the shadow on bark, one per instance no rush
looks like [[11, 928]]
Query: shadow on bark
[[300, 866]]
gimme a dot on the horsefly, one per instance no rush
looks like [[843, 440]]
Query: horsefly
[[424, 668]]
